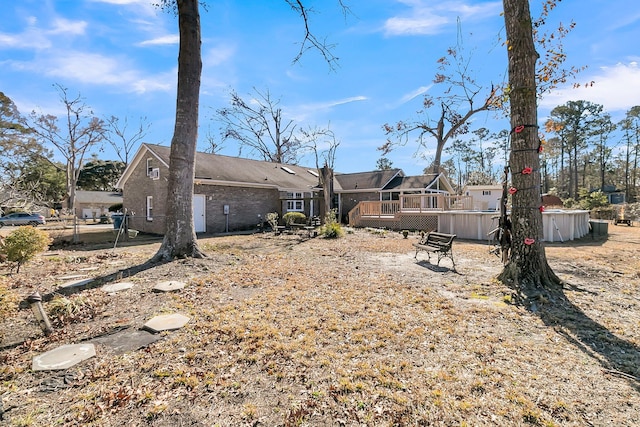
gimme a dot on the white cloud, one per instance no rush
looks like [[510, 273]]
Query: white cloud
[[218, 55], [301, 113], [617, 88], [413, 94], [425, 18], [34, 37], [66, 26], [96, 69], [162, 40]]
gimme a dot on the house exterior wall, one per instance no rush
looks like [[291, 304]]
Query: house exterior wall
[[483, 202], [134, 198], [248, 206], [245, 204], [349, 201]]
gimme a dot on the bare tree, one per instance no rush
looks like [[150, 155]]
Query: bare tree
[[213, 146], [324, 145], [124, 140], [445, 116], [258, 125], [81, 132]]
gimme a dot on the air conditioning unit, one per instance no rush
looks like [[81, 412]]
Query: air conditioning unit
[[155, 173]]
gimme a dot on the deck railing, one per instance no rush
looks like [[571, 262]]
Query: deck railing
[[417, 203]]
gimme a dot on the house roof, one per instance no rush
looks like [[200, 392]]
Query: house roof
[[99, 197], [411, 182], [362, 181], [218, 169]]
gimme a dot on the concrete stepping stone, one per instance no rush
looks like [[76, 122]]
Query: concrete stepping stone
[[169, 286], [167, 322], [76, 283], [117, 287], [128, 340], [63, 357]]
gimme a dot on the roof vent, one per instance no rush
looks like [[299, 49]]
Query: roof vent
[[286, 169]]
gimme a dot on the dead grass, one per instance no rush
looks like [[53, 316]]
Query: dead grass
[[354, 331]]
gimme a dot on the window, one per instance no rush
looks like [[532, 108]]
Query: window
[[149, 167], [149, 208], [486, 192], [295, 205]]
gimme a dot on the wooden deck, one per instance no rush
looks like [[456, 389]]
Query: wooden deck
[[454, 215]]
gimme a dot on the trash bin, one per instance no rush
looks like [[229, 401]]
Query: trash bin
[[599, 227], [117, 221]]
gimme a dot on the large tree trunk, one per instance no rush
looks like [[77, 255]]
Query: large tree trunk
[[180, 238], [527, 271]]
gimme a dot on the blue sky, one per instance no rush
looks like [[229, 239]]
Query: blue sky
[[121, 56]]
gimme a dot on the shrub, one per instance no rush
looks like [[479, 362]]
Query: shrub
[[116, 208], [272, 219], [592, 200], [332, 228], [24, 243], [294, 218]]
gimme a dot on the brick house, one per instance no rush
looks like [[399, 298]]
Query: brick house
[[229, 193]]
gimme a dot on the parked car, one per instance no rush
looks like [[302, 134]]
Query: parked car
[[21, 218]]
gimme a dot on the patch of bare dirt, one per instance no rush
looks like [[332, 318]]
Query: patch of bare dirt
[[285, 331]]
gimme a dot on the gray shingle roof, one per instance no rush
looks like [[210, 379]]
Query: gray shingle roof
[[102, 197], [247, 171], [374, 180], [410, 182]]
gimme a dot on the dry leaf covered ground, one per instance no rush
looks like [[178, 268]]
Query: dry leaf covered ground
[[350, 332]]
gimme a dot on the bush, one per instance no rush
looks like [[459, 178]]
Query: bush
[[592, 200], [332, 228], [294, 218], [272, 219], [24, 243], [116, 208]]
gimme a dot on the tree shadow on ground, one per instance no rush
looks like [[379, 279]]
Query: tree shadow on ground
[[617, 356], [102, 280]]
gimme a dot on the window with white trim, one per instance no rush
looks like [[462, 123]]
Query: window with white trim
[[296, 204], [149, 167], [149, 208]]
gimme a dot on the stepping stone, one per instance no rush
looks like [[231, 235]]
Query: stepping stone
[[125, 341], [116, 287], [76, 283], [168, 286], [167, 322], [72, 276], [63, 357]]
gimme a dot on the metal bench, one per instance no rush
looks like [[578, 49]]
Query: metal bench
[[438, 243]]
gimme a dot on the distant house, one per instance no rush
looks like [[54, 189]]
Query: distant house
[[485, 197], [93, 204], [229, 193]]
